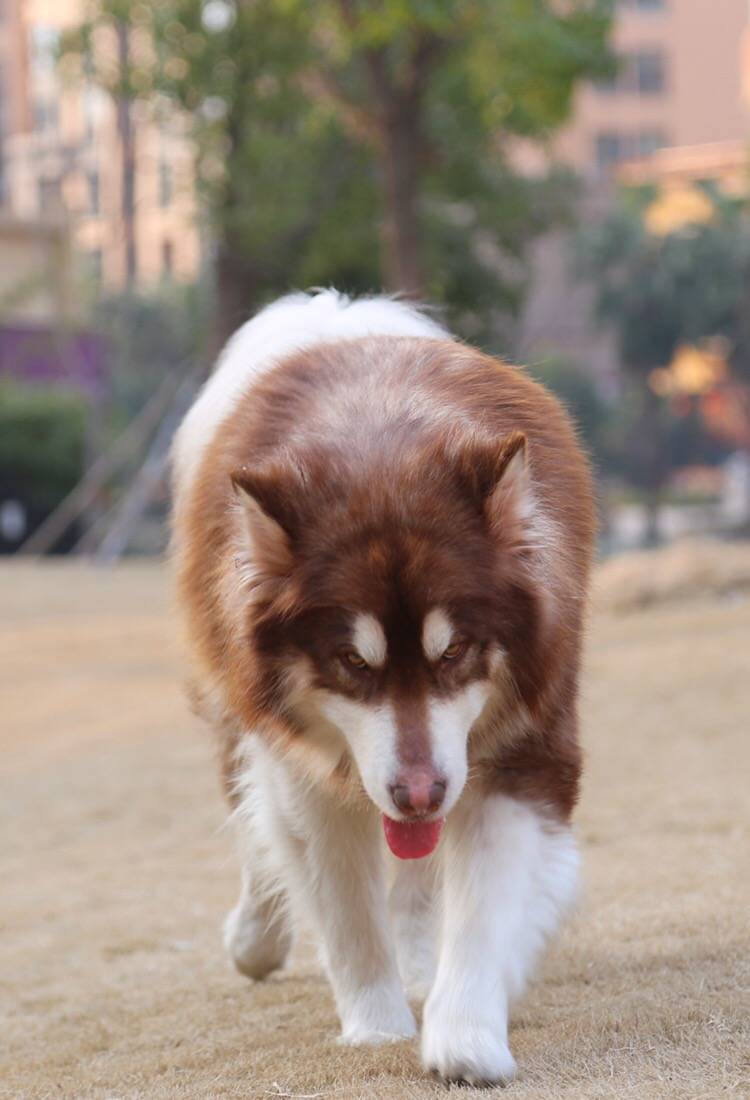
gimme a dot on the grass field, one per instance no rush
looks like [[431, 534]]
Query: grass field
[[116, 873]]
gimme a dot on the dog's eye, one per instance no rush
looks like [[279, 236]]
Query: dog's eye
[[354, 659], [454, 650]]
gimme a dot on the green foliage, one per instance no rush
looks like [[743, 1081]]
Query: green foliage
[[292, 107], [476, 248], [42, 443], [272, 169], [473, 75], [612, 431], [592, 415], [661, 291], [505, 66], [658, 292]]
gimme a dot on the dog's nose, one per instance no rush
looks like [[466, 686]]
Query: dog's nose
[[419, 792]]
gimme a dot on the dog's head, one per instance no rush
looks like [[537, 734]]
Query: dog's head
[[393, 611]]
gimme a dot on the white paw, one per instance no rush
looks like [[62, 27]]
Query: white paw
[[461, 1047], [255, 947], [377, 1015]]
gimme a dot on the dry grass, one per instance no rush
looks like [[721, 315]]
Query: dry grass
[[116, 874], [689, 568]]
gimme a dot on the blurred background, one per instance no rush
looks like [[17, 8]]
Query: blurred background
[[568, 182]]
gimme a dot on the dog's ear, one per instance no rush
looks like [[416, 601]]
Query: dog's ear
[[268, 515], [496, 474]]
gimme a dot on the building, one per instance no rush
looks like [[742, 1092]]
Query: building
[[36, 275], [677, 110], [11, 78], [682, 81], [123, 185]]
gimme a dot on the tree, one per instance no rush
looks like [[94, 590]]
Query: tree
[[434, 89], [326, 130], [576, 388], [660, 290], [271, 169], [42, 452]]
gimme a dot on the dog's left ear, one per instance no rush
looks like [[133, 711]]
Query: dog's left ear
[[268, 517], [498, 477]]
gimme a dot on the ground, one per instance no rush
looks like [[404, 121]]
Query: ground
[[116, 872]]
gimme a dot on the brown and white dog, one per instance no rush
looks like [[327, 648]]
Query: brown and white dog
[[382, 540]]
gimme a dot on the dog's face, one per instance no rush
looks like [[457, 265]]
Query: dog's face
[[394, 633]]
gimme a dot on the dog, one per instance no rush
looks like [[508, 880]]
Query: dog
[[382, 539]]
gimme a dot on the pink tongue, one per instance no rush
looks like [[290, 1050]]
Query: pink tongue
[[412, 839]]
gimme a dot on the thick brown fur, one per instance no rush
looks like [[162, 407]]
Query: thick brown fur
[[381, 463]]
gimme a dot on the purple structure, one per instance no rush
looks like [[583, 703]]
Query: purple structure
[[65, 356]]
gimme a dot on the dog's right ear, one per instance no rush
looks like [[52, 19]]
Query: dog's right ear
[[268, 518]]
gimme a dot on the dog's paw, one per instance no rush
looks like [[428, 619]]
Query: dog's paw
[[459, 1047], [377, 1015], [255, 947]]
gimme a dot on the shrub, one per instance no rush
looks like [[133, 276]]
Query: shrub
[[42, 446]]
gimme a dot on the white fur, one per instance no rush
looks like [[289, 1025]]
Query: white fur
[[327, 858], [413, 902], [291, 324], [372, 735], [368, 638], [501, 877], [509, 876], [257, 935], [450, 721], [484, 903], [437, 632]]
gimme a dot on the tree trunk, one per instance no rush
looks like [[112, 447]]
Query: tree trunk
[[237, 280], [655, 463], [399, 163], [651, 536], [237, 287], [127, 144], [400, 149]]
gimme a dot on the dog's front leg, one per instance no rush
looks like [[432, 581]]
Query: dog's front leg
[[338, 881], [509, 874]]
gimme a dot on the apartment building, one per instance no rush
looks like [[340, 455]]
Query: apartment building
[[677, 111], [682, 81], [70, 153], [11, 78]]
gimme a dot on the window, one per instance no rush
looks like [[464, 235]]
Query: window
[[45, 115], [49, 196], [94, 200], [167, 258], [608, 146], [613, 147], [640, 73], [95, 264], [649, 72], [166, 182], [643, 5], [45, 46]]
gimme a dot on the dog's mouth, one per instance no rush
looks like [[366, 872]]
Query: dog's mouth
[[412, 839]]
